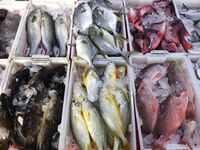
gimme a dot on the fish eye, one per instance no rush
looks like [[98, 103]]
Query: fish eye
[[34, 18]]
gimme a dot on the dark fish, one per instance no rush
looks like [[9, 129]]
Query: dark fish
[[6, 121], [21, 77], [50, 121]]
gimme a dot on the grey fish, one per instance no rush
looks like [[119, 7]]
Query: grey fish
[[47, 33], [50, 121], [104, 3], [100, 39], [61, 34], [79, 127], [82, 18], [94, 124], [85, 49], [33, 31], [105, 18]]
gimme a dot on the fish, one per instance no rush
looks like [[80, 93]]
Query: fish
[[20, 77], [82, 17], [97, 36], [191, 15], [103, 3], [47, 33], [123, 105], [94, 124], [86, 49], [79, 127], [110, 73], [79, 92], [170, 116], [33, 31], [110, 113], [105, 18], [92, 83], [6, 121], [61, 33], [50, 120]]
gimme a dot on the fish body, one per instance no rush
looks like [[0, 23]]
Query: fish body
[[47, 33], [83, 16], [50, 121], [85, 49], [92, 83], [61, 34], [105, 18], [79, 127], [191, 15], [79, 92], [110, 113], [34, 31], [94, 124]]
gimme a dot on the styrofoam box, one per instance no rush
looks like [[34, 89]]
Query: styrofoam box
[[19, 8], [66, 134], [52, 8], [117, 5], [189, 73], [18, 64], [130, 3]]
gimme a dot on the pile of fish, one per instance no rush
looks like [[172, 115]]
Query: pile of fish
[[98, 32], [190, 18], [31, 114], [165, 102], [156, 27], [46, 36], [100, 112], [9, 23]]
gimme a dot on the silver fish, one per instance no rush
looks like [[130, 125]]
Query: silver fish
[[47, 32], [94, 124], [105, 18], [33, 31], [82, 16], [85, 49], [79, 127], [61, 34]]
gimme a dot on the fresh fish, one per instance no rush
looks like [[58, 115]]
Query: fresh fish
[[105, 18], [79, 92], [83, 16], [94, 124], [61, 34], [21, 77], [79, 127], [98, 37], [47, 33], [50, 121], [123, 105], [85, 49], [170, 116], [92, 83], [6, 122], [103, 3], [110, 73], [110, 113], [33, 31]]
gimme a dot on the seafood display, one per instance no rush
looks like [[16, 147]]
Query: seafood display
[[100, 111], [32, 111], [156, 27], [166, 105], [9, 23], [45, 35], [190, 18], [97, 30]]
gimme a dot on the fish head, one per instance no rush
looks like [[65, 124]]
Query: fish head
[[36, 14]]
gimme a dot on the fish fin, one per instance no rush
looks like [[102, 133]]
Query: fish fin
[[184, 6]]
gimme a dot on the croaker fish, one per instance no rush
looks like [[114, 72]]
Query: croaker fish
[[79, 127]]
